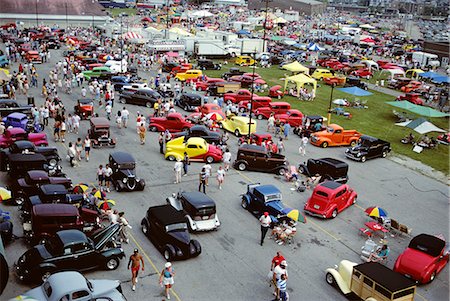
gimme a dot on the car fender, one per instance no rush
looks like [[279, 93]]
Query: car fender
[[339, 280], [175, 154], [330, 211], [47, 265], [198, 248], [159, 127], [237, 162], [192, 224], [113, 252], [305, 168]]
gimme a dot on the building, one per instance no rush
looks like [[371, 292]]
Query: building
[[307, 7], [441, 49]]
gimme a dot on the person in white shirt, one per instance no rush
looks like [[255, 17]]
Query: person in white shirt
[[107, 174], [178, 167], [208, 169], [220, 176], [83, 92], [76, 123], [125, 114], [226, 159], [265, 222], [302, 148]]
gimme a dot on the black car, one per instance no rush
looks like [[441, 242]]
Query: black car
[[189, 101], [119, 81], [167, 229], [71, 250], [367, 148], [200, 131], [256, 157], [207, 65], [8, 106], [124, 177], [143, 97], [52, 43], [17, 165], [199, 209], [328, 168], [6, 227], [353, 81], [232, 72], [169, 66]]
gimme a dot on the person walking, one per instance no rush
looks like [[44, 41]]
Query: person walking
[[265, 222], [177, 168], [107, 174], [142, 130], [166, 278], [87, 147], [280, 145], [71, 152], [135, 261], [125, 114], [226, 159], [208, 169], [276, 260], [124, 225], [161, 142], [119, 119], [271, 123], [100, 176], [186, 164], [202, 179], [286, 129], [79, 148], [220, 176], [281, 288], [277, 272], [302, 148]]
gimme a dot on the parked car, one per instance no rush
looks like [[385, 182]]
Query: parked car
[[119, 81], [247, 80], [32, 56], [330, 198], [244, 60], [209, 108], [143, 97], [84, 108], [168, 231], [411, 86], [352, 81], [72, 285], [174, 122], [426, 256], [196, 148], [220, 88], [257, 158], [189, 75], [280, 107], [232, 72], [18, 164], [238, 125], [8, 106], [411, 97], [367, 148], [366, 73], [207, 65], [6, 228], [320, 74], [27, 147], [327, 168], [370, 280], [124, 176], [199, 209], [99, 133], [13, 134], [256, 102], [167, 67], [99, 73], [200, 131], [240, 95], [180, 68], [189, 101], [255, 138], [204, 85], [293, 116], [21, 120], [335, 135], [71, 249]]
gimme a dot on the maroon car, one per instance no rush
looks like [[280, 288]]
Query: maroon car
[[240, 95], [257, 102], [174, 122], [14, 134], [273, 107]]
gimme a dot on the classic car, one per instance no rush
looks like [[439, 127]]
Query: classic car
[[335, 81], [32, 56], [232, 72], [366, 73], [352, 81], [207, 65], [209, 108], [99, 133], [119, 81], [189, 75], [220, 88], [46, 219], [6, 227], [273, 107], [244, 60], [255, 138], [124, 176], [313, 123], [426, 256], [264, 198], [320, 74], [330, 198], [200, 131], [240, 95], [52, 43], [247, 80], [189, 101], [18, 164], [143, 97], [72, 285], [327, 168], [180, 68], [167, 67], [196, 148], [258, 158], [14, 134], [8, 106], [256, 102], [335, 135], [399, 82], [199, 209], [276, 92], [238, 125], [174, 122], [204, 85], [367, 148], [293, 116], [99, 73], [27, 147], [84, 108], [370, 281], [166, 92], [411, 97], [32, 181], [168, 230], [411, 86], [71, 249], [20, 120]]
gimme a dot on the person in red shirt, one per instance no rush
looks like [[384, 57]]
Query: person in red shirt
[[277, 260]]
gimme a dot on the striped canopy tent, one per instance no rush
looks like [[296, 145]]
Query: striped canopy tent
[[133, 37]]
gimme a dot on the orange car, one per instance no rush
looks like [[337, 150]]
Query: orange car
[[335, 135], [413, 85], [33, 57]]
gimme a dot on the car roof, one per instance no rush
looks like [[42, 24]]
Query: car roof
[[55, 210], [433, 244], [85, 100], [59, 282], [50, 189], [370, 138], [198, 200], [16, 130], [179, 115], [190, 94], [267, 189], [166, 214], [17, 115], [335, 162], [251, 147], [199, 127], [27, 157], [100, 121], [71, 236], [7, 100], [122, 157], [37, 174], [330, 185], [196, 140], [21, 144], [384, 276]]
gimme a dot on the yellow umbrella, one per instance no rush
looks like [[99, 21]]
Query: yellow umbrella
[[80, 188], [5, 194], [106, 204]]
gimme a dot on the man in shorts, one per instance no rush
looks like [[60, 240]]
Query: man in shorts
[[135, 261]]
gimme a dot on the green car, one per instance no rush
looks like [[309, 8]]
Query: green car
[[98, 72]]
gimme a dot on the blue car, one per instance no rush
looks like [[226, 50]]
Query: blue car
[[20, 120], [4, 62]]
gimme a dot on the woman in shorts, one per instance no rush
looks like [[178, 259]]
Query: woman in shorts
[[87, 147], [100, 176], [166, 278]]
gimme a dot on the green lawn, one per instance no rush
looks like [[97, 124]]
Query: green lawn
[[116, 11], [377, 120]]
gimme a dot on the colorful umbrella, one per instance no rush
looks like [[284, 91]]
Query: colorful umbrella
[[376, 211], [5, 194], [214, 116], [106, 204], [80, 188], [99, 194], [294, 214]]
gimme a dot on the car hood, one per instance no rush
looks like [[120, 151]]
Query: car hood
[[278, 206], [181, 236], [102, 237], [35, 294], [413, 262], [358, 148]]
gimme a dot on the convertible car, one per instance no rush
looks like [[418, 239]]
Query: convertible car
[[196, 148]]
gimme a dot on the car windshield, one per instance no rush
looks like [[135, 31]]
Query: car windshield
[[365, 142], [330, 130], [54, 246], [176, 227], [273, 197]]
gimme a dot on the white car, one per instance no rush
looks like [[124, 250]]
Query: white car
[[66, 286]]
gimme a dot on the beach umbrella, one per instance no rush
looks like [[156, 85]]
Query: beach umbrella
[[99, 194], [214, 116], [376, 211], [294, 214], [80, 188], [355, 91], [107, 204], [5, 194], [441, 79], [315, 47]]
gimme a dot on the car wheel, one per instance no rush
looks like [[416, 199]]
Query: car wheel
[[185, 108], [244, 203], [145, 228], [302, 169], [363, 159], [148, 104], [20, 199], [171, 158], [53, 162], [281, 171], [334, 213], [433, 275], [168, 254], [324, 144], [236, 132], [112, 263], [153, 129], [354, 200], [329, 278], [242, 166], [209, 159], [384, 154], [122, 100], [260, 117], [353, 143]]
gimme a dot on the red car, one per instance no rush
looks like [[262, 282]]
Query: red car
[[84, 108], [181, 68], [14, 134], [208, 108], [174, 122], [329, 198], [362, 73], [204, 85], [413, 85], [246, 80], [424, 258], [273, 107], [258, 102], [411, 97], [237, 97], [257, 138], [293, 116]]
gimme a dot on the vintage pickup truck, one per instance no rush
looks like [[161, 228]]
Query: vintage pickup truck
[[335, 135]]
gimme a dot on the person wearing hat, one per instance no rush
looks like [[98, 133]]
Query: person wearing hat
[[265, 222], [178, 167], [277, 272], [135, 261], [166, 278]]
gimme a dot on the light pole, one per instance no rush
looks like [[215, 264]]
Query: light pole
[[37, 14], [251, 98], [329, 105], [167, 19], [121, 42], [67, 18], [265, 25]]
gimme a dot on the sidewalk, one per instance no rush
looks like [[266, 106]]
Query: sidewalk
[[384, 90]]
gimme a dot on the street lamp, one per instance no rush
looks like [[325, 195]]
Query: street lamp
[[265, 25], [251, 97], [329, 105], [37, 14], [67, 19]]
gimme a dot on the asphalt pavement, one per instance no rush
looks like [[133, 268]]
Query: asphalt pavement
[[232, 265]]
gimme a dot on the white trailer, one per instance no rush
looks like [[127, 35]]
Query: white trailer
[[426, 59], [210, 49], [249, 46]]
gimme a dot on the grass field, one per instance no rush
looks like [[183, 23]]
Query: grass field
[[377, 120], [116, 11]]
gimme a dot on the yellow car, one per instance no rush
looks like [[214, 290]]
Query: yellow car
[[238, 125], [196, 148], [245, 60], [188, 75], [320, 74]]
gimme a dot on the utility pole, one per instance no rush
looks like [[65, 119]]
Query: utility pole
[[265, 25], [167, 19], [251, 99], [37, 15], [67, 18], [121, 43]]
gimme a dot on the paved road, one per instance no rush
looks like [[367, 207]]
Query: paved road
[[232, 265]]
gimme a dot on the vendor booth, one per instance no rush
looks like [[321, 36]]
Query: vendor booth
[[300, 80], [296, 67]]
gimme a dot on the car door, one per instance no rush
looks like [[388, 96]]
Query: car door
[[193, 150], [340, 199], [295, 119], [337, 136], [374, 150]]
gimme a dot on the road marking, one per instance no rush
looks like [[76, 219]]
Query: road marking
[[425, 299], [357, 206]]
